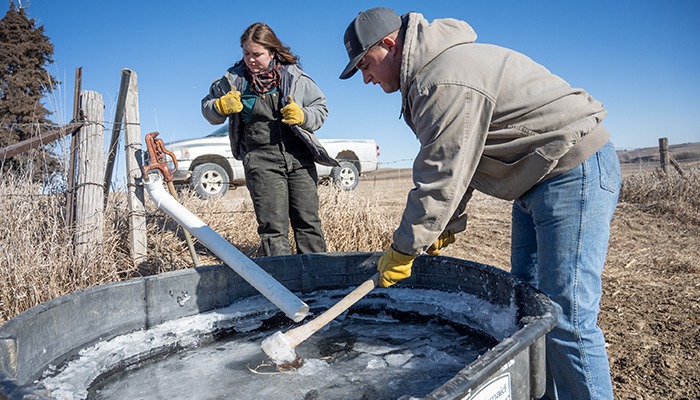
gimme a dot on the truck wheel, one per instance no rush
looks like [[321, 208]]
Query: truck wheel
[[209, 181], [346, 176]]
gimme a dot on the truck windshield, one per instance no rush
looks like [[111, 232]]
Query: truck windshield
[[220, 131]]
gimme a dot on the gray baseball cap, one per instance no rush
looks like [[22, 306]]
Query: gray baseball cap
[[368, 28]]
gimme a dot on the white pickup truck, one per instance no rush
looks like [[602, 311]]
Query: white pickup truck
[[208, 167]]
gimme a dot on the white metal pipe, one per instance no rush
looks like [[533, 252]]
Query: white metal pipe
[[268, 286]]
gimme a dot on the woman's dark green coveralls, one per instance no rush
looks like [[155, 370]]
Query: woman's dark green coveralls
[[281, 176]]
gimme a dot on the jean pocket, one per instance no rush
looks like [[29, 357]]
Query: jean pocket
[[609, 169]]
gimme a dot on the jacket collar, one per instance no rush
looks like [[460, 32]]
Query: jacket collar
[[424, 41]]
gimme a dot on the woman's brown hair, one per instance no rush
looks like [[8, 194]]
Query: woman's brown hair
[[263, 35]]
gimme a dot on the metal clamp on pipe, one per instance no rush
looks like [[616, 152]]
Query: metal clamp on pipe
[[156, 155]]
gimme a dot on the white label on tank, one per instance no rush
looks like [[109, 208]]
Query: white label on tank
[[497, 389]]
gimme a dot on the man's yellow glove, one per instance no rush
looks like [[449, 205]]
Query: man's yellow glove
[[292, 114], [394, 266], [441, 242], [230, 103]]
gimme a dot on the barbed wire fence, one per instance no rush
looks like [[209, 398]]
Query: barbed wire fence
[[89, 124], [85, 176], [634, 161]]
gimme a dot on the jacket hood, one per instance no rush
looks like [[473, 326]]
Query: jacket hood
[[426, 40]]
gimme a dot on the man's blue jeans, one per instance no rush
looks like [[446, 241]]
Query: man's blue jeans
[[560, 234]]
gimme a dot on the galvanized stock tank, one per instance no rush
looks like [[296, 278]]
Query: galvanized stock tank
[[37, 344]]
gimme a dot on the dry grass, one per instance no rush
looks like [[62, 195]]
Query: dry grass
[[669, 194], [38, 263], [36, 256]]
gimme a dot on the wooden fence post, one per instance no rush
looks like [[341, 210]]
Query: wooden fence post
[[89, 215], [663, 153], [118, 120], [134, 164], [665, 157], [70, 198]]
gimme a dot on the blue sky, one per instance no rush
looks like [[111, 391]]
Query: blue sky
[[640, 58]]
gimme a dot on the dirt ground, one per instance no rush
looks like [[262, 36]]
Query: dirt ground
[[650, 310]]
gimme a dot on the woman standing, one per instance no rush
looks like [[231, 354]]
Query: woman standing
[[273, 108]]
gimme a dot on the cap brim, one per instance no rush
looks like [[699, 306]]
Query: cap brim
[[351, 68]]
